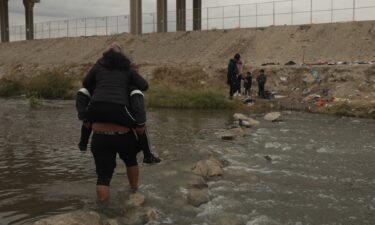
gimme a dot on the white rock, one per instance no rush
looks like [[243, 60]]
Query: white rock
[[76, 218], [273, 117]]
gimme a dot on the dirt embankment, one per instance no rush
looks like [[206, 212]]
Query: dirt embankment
[[199, 59]]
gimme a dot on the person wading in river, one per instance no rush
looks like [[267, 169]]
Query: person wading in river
[[111, 78], [137, 115]]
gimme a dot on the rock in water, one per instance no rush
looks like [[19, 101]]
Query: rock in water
[[273, 117], [135, 200], [227, 136], [208, 168], [197, 197], [76, 218]]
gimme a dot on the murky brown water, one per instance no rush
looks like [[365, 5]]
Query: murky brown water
[[322, 169]]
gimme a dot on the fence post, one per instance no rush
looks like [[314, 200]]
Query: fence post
[[311, 11], [223, 16], [239, 16], [291, 12], [117, 24], [95, 25], [208, 27], [273, 3], [49, 30], [331, 11], [106, 26], [67, 28], [256, 14], [76, 28], [85, 27], [58, 29], [354, 10]]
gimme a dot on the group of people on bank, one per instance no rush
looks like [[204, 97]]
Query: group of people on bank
[[235, 76]]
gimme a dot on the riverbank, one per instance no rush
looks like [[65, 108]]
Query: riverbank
[[188, 69]]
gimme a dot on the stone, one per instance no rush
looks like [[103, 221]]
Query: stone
[[139, 215], [262, 220], [227, 136], [197, 197], [111, 222], [240, 116], [228, 219], [135, 200], [76, 218], [245, 120], [208, 168], [237, 132], [273, 117], [198, 182]]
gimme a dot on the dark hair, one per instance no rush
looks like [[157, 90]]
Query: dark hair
[[117, 60], [248, 72], [237, 56], [261, 71]]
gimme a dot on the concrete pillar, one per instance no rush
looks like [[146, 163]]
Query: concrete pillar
[[162, 15], [197, 14], [29, 15], [4, 20], [136, 16], [181, 15]]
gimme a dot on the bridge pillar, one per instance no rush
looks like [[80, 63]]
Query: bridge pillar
[[4, 20], [197, 14], [136, 16], [162, 15], [181, 15], [29, 15]]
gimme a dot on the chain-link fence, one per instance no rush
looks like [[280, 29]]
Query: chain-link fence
[[283, 12]]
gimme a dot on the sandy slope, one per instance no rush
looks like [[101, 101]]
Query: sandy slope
[[195, 59], [338, 42]]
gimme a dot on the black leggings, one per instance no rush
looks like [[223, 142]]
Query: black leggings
[[105, 148]]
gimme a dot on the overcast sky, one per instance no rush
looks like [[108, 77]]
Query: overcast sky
[[68, 9]]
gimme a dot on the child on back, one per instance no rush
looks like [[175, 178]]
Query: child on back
[[239, 71], [261, 79], [248, 81], [137, 114]]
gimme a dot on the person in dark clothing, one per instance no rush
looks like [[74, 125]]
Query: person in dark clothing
[[232, 74], [137, 114], [261, 79], [139, 117], [82, 102], [248, 81], [109, 81]]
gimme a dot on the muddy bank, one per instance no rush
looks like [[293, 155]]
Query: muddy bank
[[198, 61]]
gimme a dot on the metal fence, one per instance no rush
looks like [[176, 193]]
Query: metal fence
[[283, 12]]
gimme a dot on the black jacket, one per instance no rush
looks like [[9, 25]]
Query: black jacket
[[110, 78], [231, 75]]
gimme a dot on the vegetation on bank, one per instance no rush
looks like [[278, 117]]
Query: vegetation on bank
[[46, 86], [164, 95], [160, 95]]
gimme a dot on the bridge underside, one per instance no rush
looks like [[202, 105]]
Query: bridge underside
[[162, 15], [4, 19], [135, 17]]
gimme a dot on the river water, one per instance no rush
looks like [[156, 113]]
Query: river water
[[322, 169]]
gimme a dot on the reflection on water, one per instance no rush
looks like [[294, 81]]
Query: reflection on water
[[321, 172]]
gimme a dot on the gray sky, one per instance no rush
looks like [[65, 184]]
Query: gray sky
[[68, 9]]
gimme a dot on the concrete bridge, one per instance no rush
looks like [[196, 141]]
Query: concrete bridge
[[135, 17], [29, 15]]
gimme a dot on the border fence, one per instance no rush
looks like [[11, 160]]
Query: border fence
[[272, 13]]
